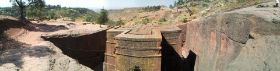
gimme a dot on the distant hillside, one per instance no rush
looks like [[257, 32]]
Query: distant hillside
[[123, 13], [9, 11], [209, 7], [181, 12], [141, 15]]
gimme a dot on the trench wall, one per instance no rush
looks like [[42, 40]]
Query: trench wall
[[87, 49]]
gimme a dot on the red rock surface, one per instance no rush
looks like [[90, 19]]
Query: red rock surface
[[220, 40]]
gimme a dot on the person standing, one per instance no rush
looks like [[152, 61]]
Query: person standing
[[277, 2]]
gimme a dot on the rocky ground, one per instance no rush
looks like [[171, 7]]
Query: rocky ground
[[23, 49]]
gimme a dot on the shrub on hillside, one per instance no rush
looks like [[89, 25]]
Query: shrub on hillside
[[90, 17], [162, 20], [145, 21], [151, 8], [115, 23], [120, 22], [183, 18]]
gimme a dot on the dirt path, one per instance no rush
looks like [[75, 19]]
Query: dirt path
[[31, 38]]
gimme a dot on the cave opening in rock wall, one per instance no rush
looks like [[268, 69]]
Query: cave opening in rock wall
[[88, 50], [172, 61], [188, 63]]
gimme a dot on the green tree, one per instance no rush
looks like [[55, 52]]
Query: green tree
[[90, 17], [180, 2], [35, 12], [23, 4], [103, 17], [51, 14]]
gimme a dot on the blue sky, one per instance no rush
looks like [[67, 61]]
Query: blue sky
[[97, 4]]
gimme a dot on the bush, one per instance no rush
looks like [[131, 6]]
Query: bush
[[115, 23], [51, 15], [34, 13], [145, 21], [90, 17], [183, 18], [162, 20], [120, 22]]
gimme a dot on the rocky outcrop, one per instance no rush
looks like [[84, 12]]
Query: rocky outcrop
[[242, 40], [259, 54], [40, 57], [17, 55]]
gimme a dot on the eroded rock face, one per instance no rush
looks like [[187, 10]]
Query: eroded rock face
[[233, 41], [261, 54]]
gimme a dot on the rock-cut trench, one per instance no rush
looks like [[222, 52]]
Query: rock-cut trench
[[88, 49]]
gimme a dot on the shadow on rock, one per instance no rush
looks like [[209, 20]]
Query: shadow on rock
[[5, 24], [12, 51], [45, 27]]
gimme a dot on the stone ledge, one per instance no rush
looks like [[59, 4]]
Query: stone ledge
[[72, 33], [155, 36], [170, 30], [138, 48], [150, 56]]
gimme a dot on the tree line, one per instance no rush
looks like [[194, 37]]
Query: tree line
[[38, 10], [50, 12], [151, 8]]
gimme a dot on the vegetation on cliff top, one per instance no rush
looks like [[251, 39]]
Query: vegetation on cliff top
[[53, 12]]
